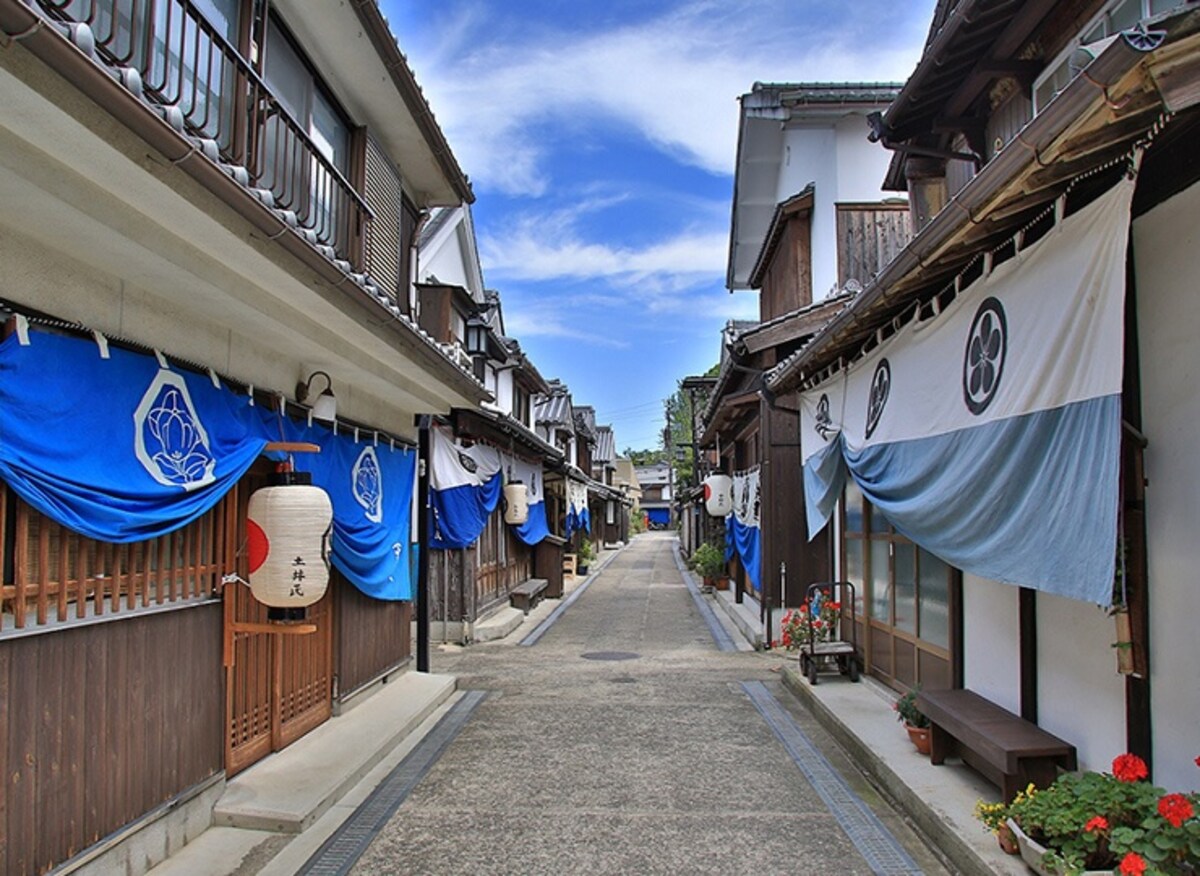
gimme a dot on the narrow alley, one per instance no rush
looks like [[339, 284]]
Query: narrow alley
[[624, 741]]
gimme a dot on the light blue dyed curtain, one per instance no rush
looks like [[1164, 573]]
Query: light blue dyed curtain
[[990, 434]]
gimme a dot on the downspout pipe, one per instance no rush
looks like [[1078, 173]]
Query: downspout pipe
[[424, 462]]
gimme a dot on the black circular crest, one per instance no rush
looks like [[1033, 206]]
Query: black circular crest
[[983, 363], [881, 388]]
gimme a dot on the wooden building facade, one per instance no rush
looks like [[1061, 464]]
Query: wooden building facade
[[212, 233]]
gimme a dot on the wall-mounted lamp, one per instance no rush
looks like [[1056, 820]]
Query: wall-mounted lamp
[[476, 338], [325, 407]]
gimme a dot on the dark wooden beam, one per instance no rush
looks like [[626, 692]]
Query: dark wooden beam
[[958, 124], [1022, 71], [1027, 625], [1005, 46]]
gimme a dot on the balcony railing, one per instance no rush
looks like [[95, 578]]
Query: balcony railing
[[171, 56]]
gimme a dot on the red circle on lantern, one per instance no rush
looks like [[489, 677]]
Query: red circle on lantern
[[707, 492], [258, 546]]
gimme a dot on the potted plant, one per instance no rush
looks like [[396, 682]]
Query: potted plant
[[709, 563], [587, 553], [795, 629], [914, 719], [1095, 822], [995, 818]]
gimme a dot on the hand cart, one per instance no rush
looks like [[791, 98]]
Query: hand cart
[[828, 651]]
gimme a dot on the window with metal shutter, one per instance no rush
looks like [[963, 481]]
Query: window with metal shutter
[[384, 256]]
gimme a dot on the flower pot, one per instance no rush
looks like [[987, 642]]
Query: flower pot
[[919, 737], [1008, 840], [1032, 853], [721, 582]]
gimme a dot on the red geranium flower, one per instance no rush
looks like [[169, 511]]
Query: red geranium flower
[[1097, 823], [1176, 809], [1129, 768], [1132, 865]]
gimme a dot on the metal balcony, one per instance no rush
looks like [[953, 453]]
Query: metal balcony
[[172, 58]]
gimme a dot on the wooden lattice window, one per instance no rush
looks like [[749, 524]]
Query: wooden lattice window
[[53, 575]]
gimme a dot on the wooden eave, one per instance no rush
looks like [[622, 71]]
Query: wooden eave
[[1094, 121], [799, 204], [794, 327], [502, 430], [381, 36], [733, 413], [974, 47]]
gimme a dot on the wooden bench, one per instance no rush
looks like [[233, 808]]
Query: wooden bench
[[525, 596], [1008, 750]]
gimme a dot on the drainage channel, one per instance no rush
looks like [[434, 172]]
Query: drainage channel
[[721, 637], [342, 850], [882, 851]]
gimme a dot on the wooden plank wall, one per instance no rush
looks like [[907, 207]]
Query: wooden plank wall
[[785, 530], [101, 723], [373, 636], [504, 561], [869, 236], [788, 281], [448, 596]]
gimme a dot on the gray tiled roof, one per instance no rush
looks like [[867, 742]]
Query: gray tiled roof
[[606, 445], [585, 420], [553, 410]]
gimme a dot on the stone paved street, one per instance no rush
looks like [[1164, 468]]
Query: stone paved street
[[656, 763]]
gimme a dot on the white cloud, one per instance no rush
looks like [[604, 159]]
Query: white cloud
[[556, 321], [673, 79]]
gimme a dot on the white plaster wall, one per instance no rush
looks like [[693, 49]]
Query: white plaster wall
[[844, 166], [1080, 695], [810, 156], [446, 262], [991, 641], [504, 390], [1166, 247], [50, 280], [862, 165]]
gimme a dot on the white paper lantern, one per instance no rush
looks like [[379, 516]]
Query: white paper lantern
[[516, 503], [718, 495], [287, 532]]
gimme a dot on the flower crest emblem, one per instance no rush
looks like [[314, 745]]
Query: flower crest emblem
[[367, 484], [169, 440], [983, 363]]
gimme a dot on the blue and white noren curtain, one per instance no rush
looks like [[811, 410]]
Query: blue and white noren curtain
[[990, 434], [535, 528], [119, 449], [742, 525], [578, 516], [370, 484], [464, 489], [659, 516]]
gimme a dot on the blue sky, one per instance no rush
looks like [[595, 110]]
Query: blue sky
[[600, 140]]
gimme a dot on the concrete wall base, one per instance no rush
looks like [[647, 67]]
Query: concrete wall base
[[144, 844]]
